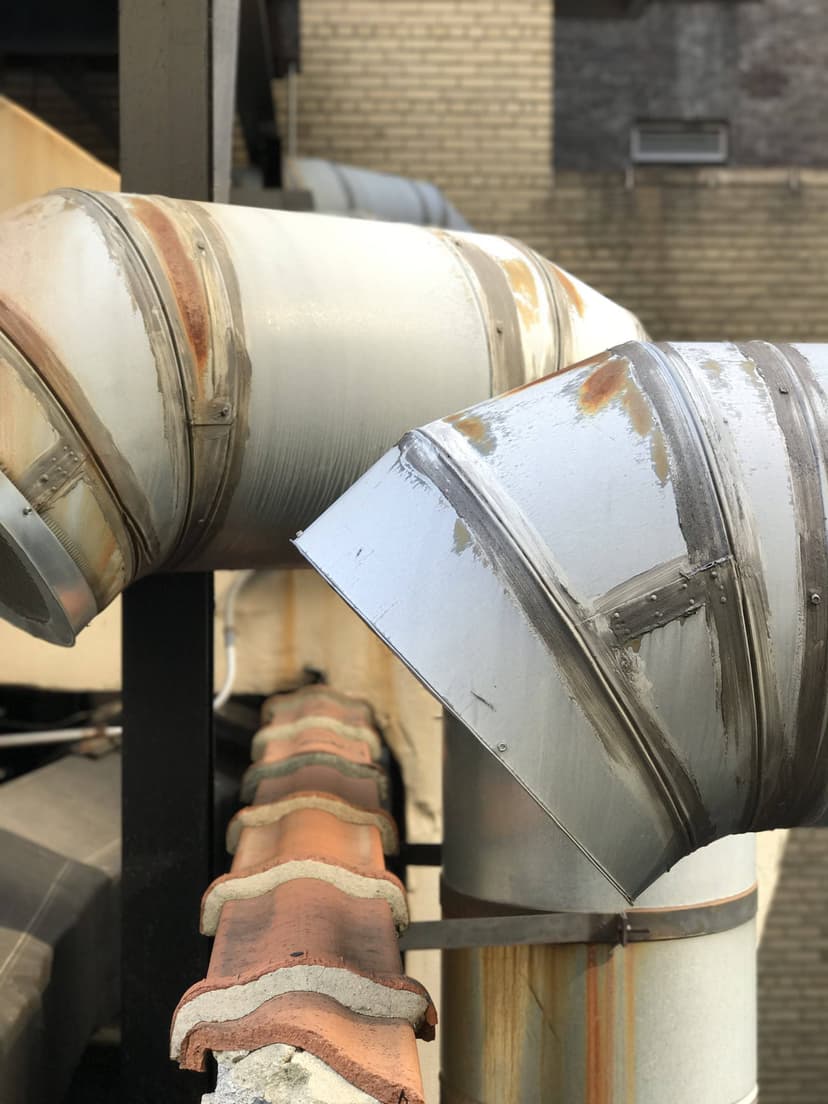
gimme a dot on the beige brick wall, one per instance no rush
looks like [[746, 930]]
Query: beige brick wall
[[455, 91], [793, 978], [698, 254]]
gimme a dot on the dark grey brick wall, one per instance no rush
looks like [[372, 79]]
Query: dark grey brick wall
[[760, 65], [793, 978]]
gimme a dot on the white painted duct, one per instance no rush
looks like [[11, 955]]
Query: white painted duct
[[184, 386], [618, 580], [339, 189]]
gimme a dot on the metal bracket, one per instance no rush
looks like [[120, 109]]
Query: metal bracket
[[211, 412], [619, 929], [673, 591]]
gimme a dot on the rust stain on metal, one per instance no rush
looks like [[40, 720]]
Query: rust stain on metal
[[462, 536], [661, 461], [600, 1024], [185, 281], [525, 291], [611, 380], [572, 293], [597, 358], [475, 429], [629, 963], [606, 383]]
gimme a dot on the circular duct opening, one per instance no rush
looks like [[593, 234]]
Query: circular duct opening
[[42, 590], [18, 592]]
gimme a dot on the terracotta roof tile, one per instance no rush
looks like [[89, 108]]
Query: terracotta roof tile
[[378, 1056], [306, 951], [345, 811], [316, 740], [354, 881], [305, 935], [350, 757], [317, 698], [322, 779], [311, 832], [316, 723], [303, 917]]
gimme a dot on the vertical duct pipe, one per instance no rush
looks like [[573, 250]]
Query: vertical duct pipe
[[662, 1018]]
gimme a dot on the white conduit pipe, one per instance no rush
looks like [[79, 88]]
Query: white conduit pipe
[[185, 385], [233, 591]]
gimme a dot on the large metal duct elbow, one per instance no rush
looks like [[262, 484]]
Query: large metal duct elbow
[[184, 386], [618, 579]]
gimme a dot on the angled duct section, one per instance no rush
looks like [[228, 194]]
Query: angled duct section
[[618, 580], [184, 386]]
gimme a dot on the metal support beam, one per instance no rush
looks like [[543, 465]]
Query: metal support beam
[[167, 821], [254, 94], [175, 63]]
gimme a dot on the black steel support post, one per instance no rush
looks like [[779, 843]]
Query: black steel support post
[[166, 111]]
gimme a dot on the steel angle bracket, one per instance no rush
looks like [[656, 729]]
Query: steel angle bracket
[[619, 929]]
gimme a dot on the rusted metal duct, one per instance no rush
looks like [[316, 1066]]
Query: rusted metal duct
[[183, 385], [665, 1012], [628, 566], [339, 189]]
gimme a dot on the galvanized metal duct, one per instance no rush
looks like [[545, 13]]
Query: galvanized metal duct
[[183, 386], [629, 570], [339, 189]]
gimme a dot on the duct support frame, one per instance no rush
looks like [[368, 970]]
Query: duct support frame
[[176, 95]]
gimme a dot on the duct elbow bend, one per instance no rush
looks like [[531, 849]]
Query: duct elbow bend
[[627, 563]]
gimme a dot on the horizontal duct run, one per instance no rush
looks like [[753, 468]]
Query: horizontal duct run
[[185, 385], [339, 189], [628, 566]]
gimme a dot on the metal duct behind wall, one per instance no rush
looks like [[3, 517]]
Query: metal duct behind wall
[[629, 568], [185, 385], [347, 190]]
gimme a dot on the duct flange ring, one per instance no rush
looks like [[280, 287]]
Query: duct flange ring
[[41, 588]]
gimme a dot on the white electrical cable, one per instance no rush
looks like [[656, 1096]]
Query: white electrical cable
[[230, 597], [73, 735], [58, 736]]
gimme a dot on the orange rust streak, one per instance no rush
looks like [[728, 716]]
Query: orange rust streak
[[629, 1024], [598, 358], [185, 281], [661, 461], [107, 550], [600, 1012], [572, 293], [474, 428], [603, 385], [638, 409], [523, 287]]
